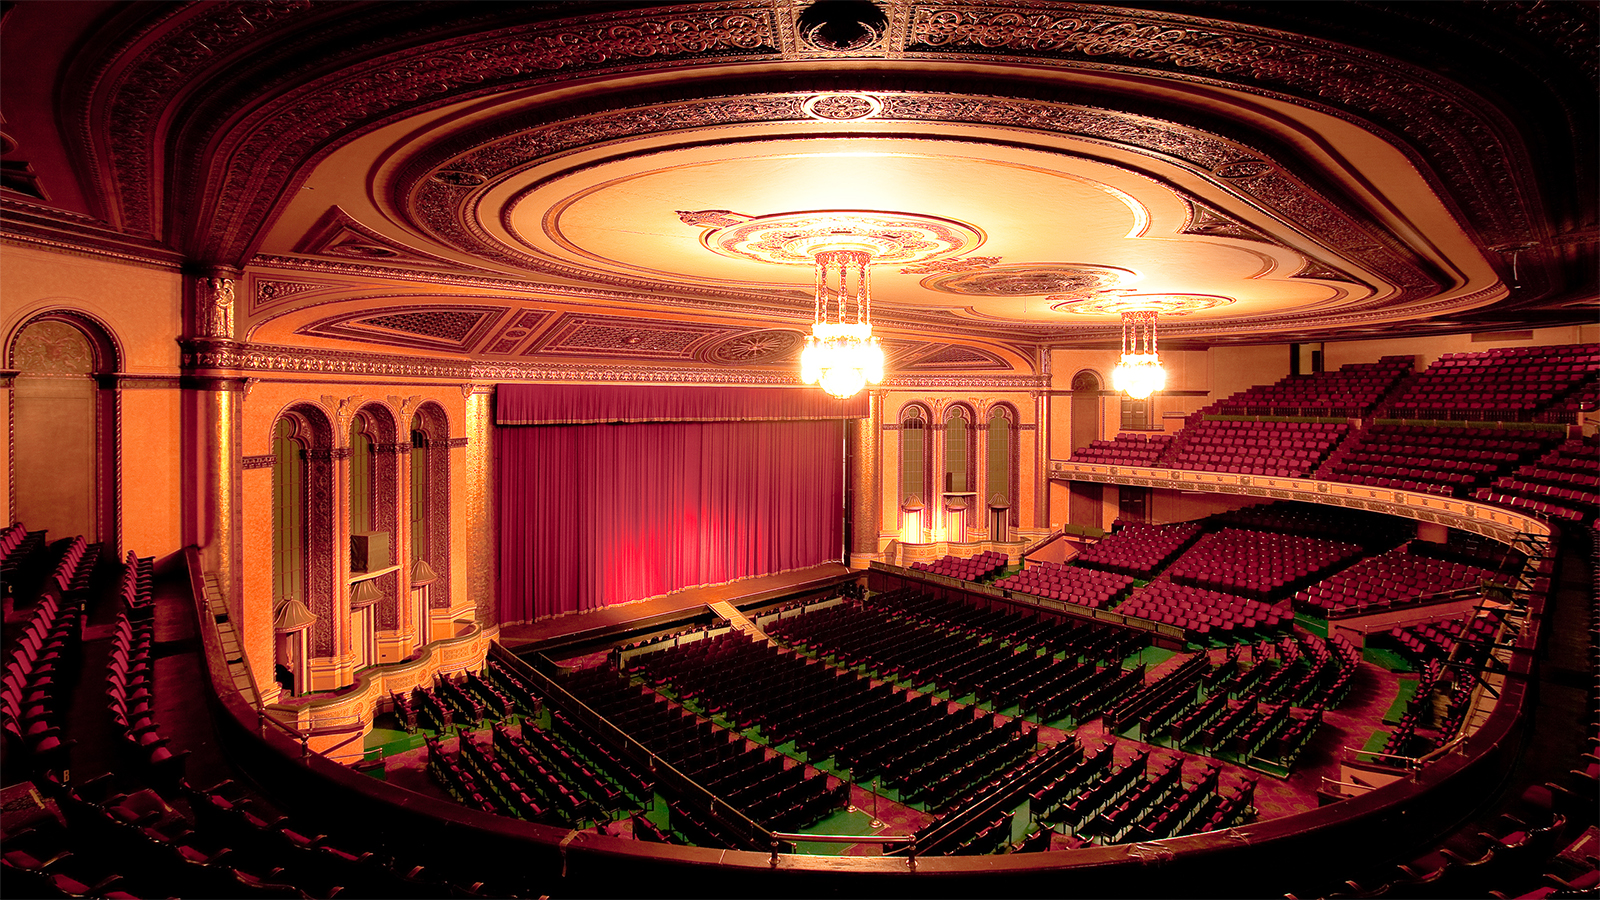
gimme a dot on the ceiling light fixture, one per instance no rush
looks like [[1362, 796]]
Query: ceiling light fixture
[[1139, 374], [841, 352]]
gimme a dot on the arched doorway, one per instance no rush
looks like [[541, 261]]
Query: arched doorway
[[64, 428], [1084, 506]]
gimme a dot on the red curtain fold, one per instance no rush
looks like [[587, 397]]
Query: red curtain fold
[[593, 515], [572, 404]]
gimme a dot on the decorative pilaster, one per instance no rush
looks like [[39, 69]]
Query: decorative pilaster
[[866, 482], [482, 531], [1041, 458]]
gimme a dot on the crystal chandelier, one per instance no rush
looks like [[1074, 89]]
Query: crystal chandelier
[[1139, 374], [841, 351]]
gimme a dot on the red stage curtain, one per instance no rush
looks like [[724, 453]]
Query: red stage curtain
[[573, 404], [592, 515]]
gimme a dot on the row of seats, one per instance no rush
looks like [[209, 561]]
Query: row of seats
[[1436, 638], [1134, 448], [1367, 529], [1397, 579], [748, 776], [971, 568], [1204, 613], [1282, 449], [130, 696], [1434, 459], [1504, 384], [1352, 390], [1074, 584], [1262, 565], [1564, 483], [1139, 550], [19, 551]]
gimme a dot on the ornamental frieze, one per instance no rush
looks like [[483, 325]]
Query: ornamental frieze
[[311, 115]]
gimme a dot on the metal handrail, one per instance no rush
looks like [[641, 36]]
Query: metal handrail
[[724, 812], [908, 840]]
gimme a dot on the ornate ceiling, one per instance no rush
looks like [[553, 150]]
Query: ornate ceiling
[[566, 186]]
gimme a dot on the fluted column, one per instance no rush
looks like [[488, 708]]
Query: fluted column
[[212, 408]]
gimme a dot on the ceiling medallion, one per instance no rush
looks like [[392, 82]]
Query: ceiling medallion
[[841, 353], [1118, 303], [756, 347], [795, 238], [1074, 280], [842, 107]]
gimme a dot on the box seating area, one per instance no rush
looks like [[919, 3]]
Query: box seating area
[[1353, 390], [1205, 613], [1509, 384], [751, 778], [1074, 584], [1284, 449], [965, 568], [1397, 579], [1135, 448], [1262, 565], [1139, 550], [1564, 483], [1433, 458]]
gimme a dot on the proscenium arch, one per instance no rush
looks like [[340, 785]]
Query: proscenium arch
[[64, 446]]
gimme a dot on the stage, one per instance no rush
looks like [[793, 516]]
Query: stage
[[575, 632]]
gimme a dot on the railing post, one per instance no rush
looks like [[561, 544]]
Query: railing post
[[775, 853], [911, 856]]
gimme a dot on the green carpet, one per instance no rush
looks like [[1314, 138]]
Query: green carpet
[[1374, 744], [1150, 656], [841, 822], [1408, 689], [1389, 659], [1316, 626], [392, 741]]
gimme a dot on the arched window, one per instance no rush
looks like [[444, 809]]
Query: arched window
[[64, 428], [360, 477], [288, 514], [1000, 479], [1085, 409], [419, 490], [429, 513], [302, 543], [957, 450], [960, 473], [915, 508]]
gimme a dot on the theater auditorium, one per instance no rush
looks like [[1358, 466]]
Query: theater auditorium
[[789, 448]]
